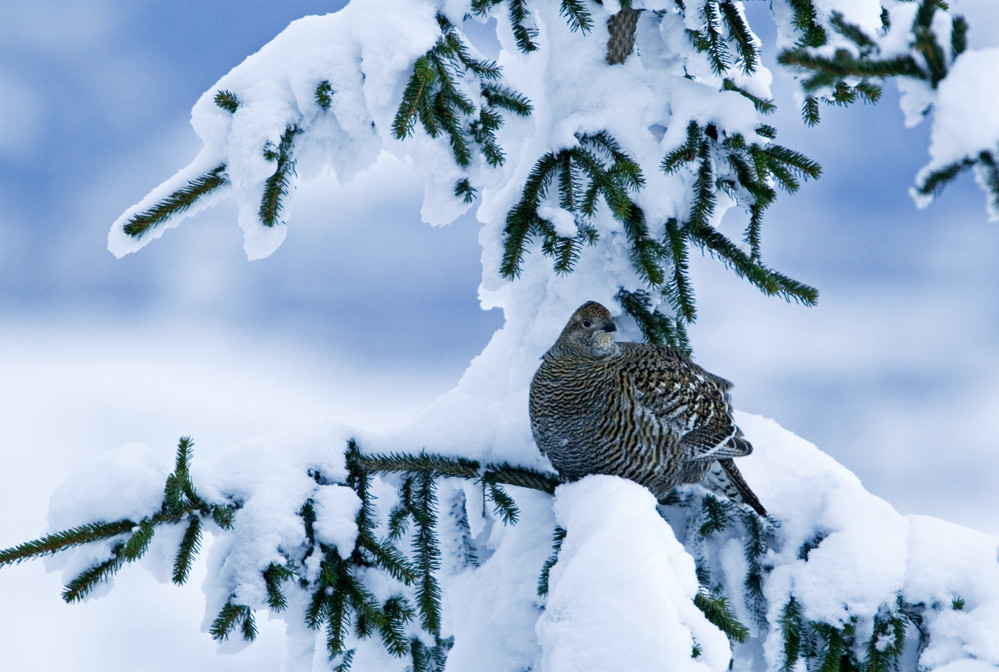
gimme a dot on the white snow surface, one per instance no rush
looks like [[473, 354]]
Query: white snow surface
[[634, 574], [622, 589]]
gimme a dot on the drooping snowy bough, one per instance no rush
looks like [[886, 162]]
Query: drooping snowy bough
[[610, 138]]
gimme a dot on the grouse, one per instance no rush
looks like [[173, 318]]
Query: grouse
[[636, 410]]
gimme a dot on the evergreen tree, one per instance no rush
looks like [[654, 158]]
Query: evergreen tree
[[611, 137]]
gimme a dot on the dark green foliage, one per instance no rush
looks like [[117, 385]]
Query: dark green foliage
[[274, 576], [958, 36], [656, 327], [755, 547], [427, 551], [596, 168], [832, 648], [745, 171], [189, 547], [811, 545], [790, 624], [724, 30], [277, 185], [60, 541], [523, 30], [957, 604], [464, 190], [137, 544], [180, 503], [763, 105], [503, 505], [227, 100], [429, 658], [558, 536], [576, 15], [849, 75], [346, 659], [324, 95], [811, 33], [230, 617], [433, 99], [715, 514], [716, 609], [87, 580], [177, 202]]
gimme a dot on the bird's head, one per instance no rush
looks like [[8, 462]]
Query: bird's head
[[589, 333]]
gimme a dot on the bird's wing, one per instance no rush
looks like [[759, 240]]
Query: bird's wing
[[671, 390], [715, 442]]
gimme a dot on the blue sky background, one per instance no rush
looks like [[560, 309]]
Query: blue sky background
[[365, 314]]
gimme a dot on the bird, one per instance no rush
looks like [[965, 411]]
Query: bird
[[641, 411]]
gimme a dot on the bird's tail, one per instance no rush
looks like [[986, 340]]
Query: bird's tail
[[725, 479]]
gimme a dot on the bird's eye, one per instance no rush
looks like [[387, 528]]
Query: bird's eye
[[587, 324]]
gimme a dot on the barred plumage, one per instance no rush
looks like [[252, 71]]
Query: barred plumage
[[640, 411]]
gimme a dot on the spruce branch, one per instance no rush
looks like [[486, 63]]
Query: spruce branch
[[227, 100], [177, 202], [655, 327], [428, 555], [230, 617], [521, 476], [189, 547], [276, 186], [791, 630], [137, 544], [60, 541], [434, 99], [716, 609], [762, 105], [742, 35], [597, 168], [576, 15], [274, 576], [324, 95], [87, 580], [503, 504], [716, 517], [523, 33], [558, 536]]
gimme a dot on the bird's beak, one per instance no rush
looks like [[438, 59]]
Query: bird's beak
[[610, 327]]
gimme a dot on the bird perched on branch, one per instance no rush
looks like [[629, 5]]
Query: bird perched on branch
[[644, 412]]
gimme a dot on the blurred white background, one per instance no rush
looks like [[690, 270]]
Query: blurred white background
[[365, 314]]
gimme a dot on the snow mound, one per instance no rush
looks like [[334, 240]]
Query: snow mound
[[621, 593]]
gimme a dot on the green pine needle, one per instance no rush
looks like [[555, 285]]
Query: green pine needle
[[274, 576], [189, 547], [742, 35], [324, 95], [716, 518], [762, 105], [558, 536], [223, 515], [576, 15], [523, 33], [77, 589], [177, 202], [277, 186], [427, 551], [137, 544], [716, 609], [346, 659], [503, 504], [227, 100], [60, 541], [791, 629]]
